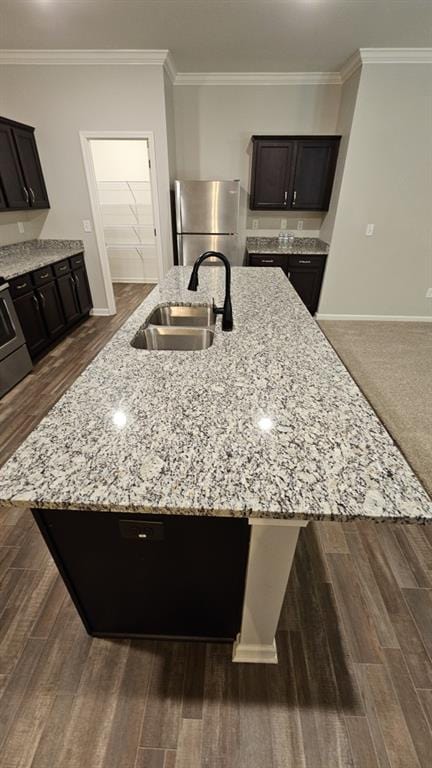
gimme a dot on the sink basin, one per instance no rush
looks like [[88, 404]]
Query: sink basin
[[189, 315], [177, 327], [159, 337]]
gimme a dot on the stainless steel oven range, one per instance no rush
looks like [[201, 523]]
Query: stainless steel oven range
[[15, 360]]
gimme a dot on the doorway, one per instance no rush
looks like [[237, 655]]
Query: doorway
[[120, 170]]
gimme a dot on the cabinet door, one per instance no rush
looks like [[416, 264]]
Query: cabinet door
[[12, 181], [31, 167], [52, 311], [69, 300], [314, 173], [83, 290], [307, 283], [29, 314], [272, 171]]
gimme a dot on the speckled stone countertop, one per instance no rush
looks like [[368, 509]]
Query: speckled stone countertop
[[19, 258], [265, 423], [309, 246]]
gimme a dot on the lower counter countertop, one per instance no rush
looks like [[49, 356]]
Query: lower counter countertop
[[266, 423], [307, 246], [20, 258]]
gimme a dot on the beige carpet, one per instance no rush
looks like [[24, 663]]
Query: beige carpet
[[392, 364]]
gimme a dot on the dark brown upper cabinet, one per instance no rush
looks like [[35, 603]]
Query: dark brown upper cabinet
[[293, 172], [22, 184]]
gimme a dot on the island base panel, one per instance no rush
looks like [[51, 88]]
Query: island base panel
[[271, 553], [132, 575]]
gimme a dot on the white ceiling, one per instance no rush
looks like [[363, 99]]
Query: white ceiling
[[222, 35]]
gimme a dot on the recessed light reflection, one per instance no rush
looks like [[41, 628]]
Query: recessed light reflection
[[119, 418], [266, 424]]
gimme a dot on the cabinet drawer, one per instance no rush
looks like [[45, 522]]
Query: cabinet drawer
[[20, 285], [268, 260], [42, 276], [298, 260], [77, 261], [61, 268]]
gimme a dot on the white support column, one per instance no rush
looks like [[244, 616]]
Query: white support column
[[271, 553]]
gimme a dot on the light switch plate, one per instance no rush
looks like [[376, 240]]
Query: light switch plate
[[21, 227], [300, 224], [255, 223], [283, 224], [370, 229], [87, 225], [429, 293]]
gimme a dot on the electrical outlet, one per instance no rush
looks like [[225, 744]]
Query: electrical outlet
[[21, 227], [370, 229], [283, 224], [87, 225], [429, 293], [255, 223], [300, 224]]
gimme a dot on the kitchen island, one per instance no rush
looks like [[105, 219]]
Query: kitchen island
[[259, 434]]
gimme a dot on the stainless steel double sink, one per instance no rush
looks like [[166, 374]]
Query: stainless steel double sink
[[177, 327]]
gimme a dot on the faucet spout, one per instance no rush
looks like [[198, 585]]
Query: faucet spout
[[226, 310]]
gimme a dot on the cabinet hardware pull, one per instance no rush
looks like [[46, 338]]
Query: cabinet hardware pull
[[305, 261], [44, 276], [43, 299], [62, 269], [21, 285], [267, 261], [33, 196], [285, 197], [77, 280], [34, 297], [294, 197], [289, 275], [26, 195]]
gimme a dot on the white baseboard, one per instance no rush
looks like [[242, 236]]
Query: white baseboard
[[101, 312], [254, 654], [143, 280], [383, 318]]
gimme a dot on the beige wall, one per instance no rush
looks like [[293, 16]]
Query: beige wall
[[345, 119], [170, 124], [60, 101], [214, 124], [387, 181]]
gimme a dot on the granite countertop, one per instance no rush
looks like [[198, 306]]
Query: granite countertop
[[20, 258], [265, 423], [309, 246]]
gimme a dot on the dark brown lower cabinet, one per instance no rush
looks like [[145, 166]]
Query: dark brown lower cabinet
[[51, 308], [50, 300], [303, 271], [151, 575], [67, 291], [82, 289], [29, 314]]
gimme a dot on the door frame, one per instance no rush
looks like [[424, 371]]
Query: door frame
[[85, 137]]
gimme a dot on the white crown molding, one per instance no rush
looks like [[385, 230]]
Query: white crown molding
[[396, 55], [170, 67], [257, 78], [86, 56], [163, 58], [350, 66]]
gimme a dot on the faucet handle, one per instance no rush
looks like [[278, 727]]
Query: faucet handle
[[216, 310]]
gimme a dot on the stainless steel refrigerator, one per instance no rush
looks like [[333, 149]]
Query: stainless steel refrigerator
[[207, 214]]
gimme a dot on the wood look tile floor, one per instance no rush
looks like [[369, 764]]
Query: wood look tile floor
[[353, 688]]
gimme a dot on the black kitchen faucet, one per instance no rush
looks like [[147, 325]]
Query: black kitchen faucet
[[226, 310]]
